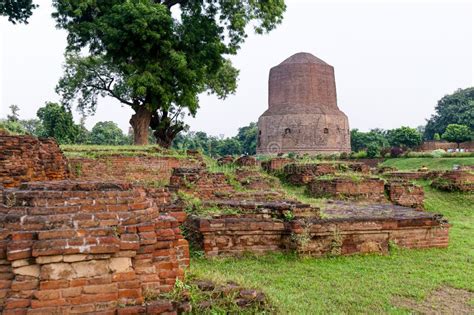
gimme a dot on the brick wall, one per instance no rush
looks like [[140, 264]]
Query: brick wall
[[236, 235], [141, 169], [85, 247], [455, 181], [405, 194], [366, 188], [27, 158]]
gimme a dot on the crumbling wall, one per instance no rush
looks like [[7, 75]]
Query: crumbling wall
[[151, 170], [231, 236], [27, 158], [364, 188], [85, 247], [455, 181], [405, 194]]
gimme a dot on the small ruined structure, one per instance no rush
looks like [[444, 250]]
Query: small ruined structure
[[302, 116]]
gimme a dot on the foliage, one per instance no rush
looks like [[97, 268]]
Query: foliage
[[57, 122], [146, 58], [372, 150], [456, 108], [17, 11], [107, 133], [404, 137], [327, 285], [243, 143], [457, 133], [361, 140], [436, 137], [247, 136]]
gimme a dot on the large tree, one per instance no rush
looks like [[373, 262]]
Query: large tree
[[156, 56], [57, 122], [457, 108], [17, 11], [404, 137], [457, 133]]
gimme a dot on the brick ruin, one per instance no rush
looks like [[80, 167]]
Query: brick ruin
[[455, 181], [27, 158], [272, 223], [77, 247], [87, 242], [344, 187]]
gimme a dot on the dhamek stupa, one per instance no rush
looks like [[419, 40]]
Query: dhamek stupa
[[302, 115]]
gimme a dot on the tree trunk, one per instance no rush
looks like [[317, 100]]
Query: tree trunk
[[140, 122]]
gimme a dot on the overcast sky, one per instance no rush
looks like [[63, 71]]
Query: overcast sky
[[393, 60]]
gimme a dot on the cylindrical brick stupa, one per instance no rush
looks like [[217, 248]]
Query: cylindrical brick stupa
[[302, 115]]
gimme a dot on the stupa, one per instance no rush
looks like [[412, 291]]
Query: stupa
[[302, 115]]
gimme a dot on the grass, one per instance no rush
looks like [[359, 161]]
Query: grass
[[432, 163], [363, 283], [98, 151]]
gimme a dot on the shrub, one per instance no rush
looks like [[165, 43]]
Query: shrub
[[438, 153], [372, 150], [396, 152]]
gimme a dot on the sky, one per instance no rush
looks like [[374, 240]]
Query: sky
[[393, 61]]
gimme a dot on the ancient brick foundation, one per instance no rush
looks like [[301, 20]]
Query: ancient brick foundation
[[365, 188], [300, 174], [27, 158], [318, 237], [87, 247], [455, 181], [154, 170], [405, 194], [275, 164]]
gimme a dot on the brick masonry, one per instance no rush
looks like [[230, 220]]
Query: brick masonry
[[339, 187], [302, 115], [85, 247], [138, 169], [27, 158], [232, 236], [455, 181]]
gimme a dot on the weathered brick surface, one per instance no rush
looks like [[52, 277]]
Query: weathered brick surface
[[455, 181], [300, 174], [246, 160], [237, 235], [136, 169], [199, 182], [364, 188], [405, 194], [302, 115], [81, 247], [275, 164], [27, 158]]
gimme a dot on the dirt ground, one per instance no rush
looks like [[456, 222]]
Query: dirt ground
[[445, 300]]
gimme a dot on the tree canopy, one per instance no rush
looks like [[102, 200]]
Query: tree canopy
[[107, 133], [457, 108], [17, 11], [57, 122], [156, 56], [457, 133], [405, 137]]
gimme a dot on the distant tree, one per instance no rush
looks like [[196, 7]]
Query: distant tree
[[14, 116], [32, 126], [361, 140], [457, 133], [437, 137], [57, 122], [154, 62], [404, 137], [457, 108], [247, 137], [17, 11], [229, 146], [107, 132]]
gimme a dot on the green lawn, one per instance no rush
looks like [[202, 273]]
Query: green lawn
[[431, 163], [360, 284]]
